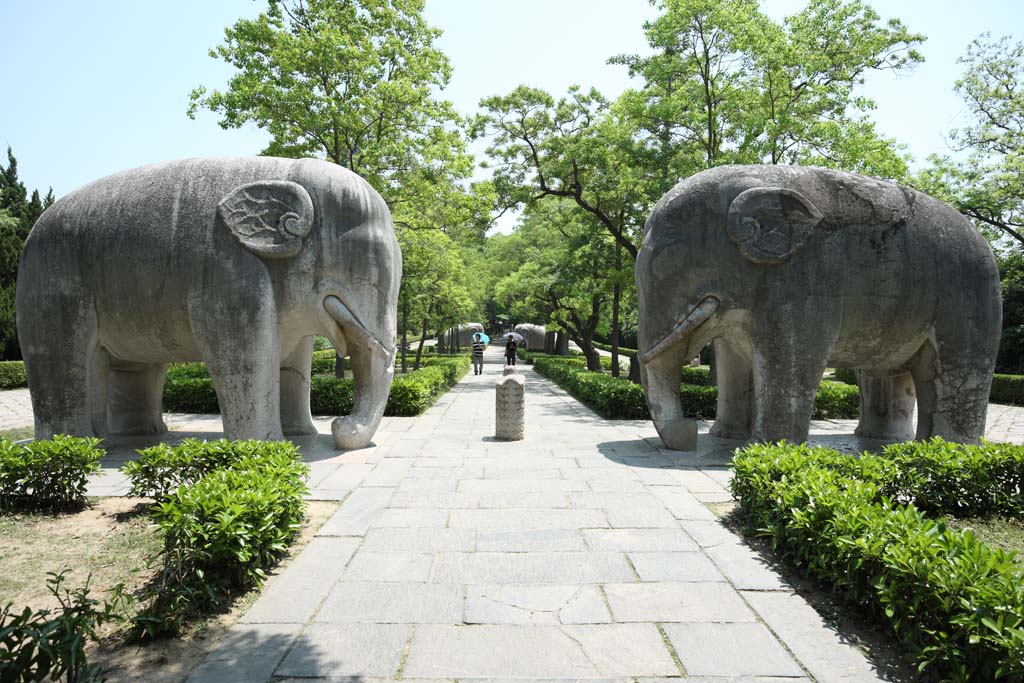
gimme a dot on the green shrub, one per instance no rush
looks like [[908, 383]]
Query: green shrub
[[1008, 390], [47, 474], [699, 375], [329, 395], [622, 349], [190, 395], [12, 374], [955, 604], [161, 469], [610, 397], [836, 401], [47, 644], [222, 532], [845, 375]]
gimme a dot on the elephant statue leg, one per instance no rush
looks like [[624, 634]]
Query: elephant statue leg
[[952, 390], [69, 387], [136, 398], [886, 407], [242, 355], [791, 351], [735, 393], [296, 367]]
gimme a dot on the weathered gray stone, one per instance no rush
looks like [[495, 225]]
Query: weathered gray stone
[[397, 566], [392, 603], [248, 652], [517, 652], [410, 518], [234, 262], [532, 567], [354, 516], [826, 654], [533, 335], [530, 540], [730, 650], [536, 604], [509, 406], [814, 268], [332, 650], [674, 566], [744, 567], [294, 595], [684, 602], [638, 539], [515, 519], [465, 333], [425, 540]]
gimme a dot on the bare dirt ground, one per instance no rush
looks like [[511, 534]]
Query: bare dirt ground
[[108, 543]]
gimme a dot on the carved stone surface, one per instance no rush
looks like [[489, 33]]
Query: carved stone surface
[[234, 262], [792, 269], [464, 332], [508, 370], [509, 406], [532, 334]]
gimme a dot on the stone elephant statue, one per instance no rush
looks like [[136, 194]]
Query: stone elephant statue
[[234, 262], [463, 334], [793, 269], [532, 334]]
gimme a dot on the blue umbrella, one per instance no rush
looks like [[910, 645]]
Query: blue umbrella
[[480, 336]]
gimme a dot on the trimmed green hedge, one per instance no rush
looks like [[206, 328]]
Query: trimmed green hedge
[[49, 473], [223, 530], [618, 398], [190, 390], [12, 374], [955, 604], [1007, 389]]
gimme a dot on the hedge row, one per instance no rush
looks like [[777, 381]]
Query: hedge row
[[190, 390], [618, 398], [12, 374], [227, 510], [955, 604], [49, 473]]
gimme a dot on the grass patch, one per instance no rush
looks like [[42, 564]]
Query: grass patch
[[18, 433], [1004, 533]]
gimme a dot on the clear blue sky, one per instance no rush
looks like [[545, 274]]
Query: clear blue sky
[[90, 88]]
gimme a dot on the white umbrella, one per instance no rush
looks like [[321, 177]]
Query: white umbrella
[[518, 338]]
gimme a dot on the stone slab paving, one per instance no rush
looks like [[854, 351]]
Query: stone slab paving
[[585, 552]]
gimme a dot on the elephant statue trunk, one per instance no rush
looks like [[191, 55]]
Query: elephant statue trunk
[[373, 368]]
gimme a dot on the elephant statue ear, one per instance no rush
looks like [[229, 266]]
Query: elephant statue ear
[[269, 217], [770, 224]]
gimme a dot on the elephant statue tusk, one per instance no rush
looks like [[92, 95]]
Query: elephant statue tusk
[[348, 322], [694, 319]]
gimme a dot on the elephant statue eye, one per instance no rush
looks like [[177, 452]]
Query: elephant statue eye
[[291, 225]]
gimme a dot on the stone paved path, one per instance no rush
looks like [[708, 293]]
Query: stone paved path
[[586, 551]]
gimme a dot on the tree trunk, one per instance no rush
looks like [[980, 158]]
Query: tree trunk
[[634, 369], [549, 342], [405, 319], [590, 353], [616, 297], [562, 343], [419, 349], [339, 366]]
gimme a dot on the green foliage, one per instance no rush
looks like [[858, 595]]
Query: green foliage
[[12, 374], [47, 644], [836, 401], [728, 84], [224, 530], [699, 375], [622, 349], [1008, 390], [48, 473], [160, 470], [845, 375], [413, 393], [956, 605], [987, 186], [610, 397], [18, 213]]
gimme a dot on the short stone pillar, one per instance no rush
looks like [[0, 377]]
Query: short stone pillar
[[509, 370], [509, 406]]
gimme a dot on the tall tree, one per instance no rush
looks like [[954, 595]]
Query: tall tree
[[563, 278], [986, 181], [727, 84], [355, 82], [18, 213]]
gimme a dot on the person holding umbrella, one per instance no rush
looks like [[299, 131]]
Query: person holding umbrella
[[479, 342], [510, 351]]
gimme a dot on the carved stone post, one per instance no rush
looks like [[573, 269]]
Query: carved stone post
[[509, 406]]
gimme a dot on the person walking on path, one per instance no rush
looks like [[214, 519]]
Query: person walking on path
[[478, 355], [510, 351]]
